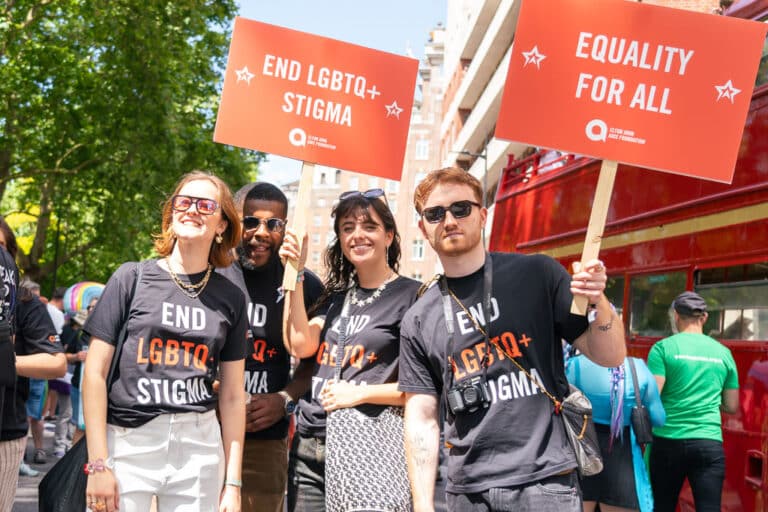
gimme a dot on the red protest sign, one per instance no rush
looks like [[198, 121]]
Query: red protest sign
[[316, 99], [661, 88]]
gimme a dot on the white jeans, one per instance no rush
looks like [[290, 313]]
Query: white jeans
[[177, 457]]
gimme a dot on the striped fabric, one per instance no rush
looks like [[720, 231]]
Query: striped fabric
[[11, 453]]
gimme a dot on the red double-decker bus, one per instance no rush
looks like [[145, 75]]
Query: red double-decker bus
[[665, 234]]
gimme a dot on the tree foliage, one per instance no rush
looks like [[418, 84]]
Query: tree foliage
[[103, 106]]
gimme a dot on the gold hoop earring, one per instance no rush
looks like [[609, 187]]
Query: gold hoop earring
[[219, 238]]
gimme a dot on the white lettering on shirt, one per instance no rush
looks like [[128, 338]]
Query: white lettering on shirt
[[186, 317]]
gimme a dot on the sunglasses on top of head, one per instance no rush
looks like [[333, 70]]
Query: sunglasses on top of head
[[373, 193], [459, 210], [181, 203], [273, 224]]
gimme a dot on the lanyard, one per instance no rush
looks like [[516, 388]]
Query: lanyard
[[342, 340], [447, 295]]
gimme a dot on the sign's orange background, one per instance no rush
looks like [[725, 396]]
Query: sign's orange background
[[657, 87], [316, 99]]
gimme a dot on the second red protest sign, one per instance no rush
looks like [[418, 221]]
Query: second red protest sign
[[316, 99], [662, 88]]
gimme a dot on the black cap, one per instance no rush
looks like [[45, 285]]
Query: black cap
[[689, 304]]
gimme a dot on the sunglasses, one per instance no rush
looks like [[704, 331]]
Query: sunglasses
[[373, 193], [251, 224], [459, 210], [203, 206]]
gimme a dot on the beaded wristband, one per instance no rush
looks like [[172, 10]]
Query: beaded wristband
[[234, 483], [300, 276], [94, 466]]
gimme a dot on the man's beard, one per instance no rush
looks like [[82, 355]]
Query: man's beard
[[242, 257]]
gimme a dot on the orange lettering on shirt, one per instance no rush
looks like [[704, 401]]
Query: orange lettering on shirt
[[140, 358], [155, 351], [201, 356], [171, 353]]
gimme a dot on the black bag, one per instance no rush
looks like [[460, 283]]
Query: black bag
[[641, 417], [576, 410], [7, 356], [63, 488]]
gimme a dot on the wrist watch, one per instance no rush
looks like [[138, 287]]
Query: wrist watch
[[290, 405]]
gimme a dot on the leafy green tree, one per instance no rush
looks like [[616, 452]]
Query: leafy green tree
[[103, 106]]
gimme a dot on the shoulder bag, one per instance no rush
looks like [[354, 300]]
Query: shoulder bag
[[641, 417], [63, 487], [365, 468]]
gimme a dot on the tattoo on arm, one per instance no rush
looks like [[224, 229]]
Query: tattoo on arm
[[606, 327], [423, 455]]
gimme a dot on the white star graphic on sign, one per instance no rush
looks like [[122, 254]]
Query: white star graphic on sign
[[534, 57], [727, 91], [244, 74], [393, 110]]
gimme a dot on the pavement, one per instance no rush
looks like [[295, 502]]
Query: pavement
[[26, 491]]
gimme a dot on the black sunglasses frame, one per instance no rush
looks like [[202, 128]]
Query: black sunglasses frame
[[373, 193], [194, 201], [457, 209], [275, 221]]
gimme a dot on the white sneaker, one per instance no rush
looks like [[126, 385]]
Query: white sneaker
[[26, 470]]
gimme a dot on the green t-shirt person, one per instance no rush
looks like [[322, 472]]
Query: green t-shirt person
[[696, 371]]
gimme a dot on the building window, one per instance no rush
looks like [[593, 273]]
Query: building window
[[422, 150], [417, 276], [354, 183], [417, 253], [416, 217], [418, 179], [321, 203], [330, 238], [393, 207], [315, 238], [393, 186], [315, 258], [373, 182], [317, 220]]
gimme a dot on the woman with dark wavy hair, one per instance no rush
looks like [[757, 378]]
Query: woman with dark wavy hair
[[366, 299]]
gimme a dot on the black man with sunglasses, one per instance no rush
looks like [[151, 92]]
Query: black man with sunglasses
[[485, 343], [258, 271]]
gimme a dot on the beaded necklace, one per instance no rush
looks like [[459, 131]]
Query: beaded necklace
[[191, 290], [375, 295]]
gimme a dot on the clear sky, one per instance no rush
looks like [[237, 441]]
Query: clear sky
[[392, 26]]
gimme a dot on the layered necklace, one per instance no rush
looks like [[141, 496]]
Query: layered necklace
[[375, 295], [191, 290]]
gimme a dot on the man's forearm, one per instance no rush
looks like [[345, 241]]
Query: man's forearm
[[422, 442], [603, 342]]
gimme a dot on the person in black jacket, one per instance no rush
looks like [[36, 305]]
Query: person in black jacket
[[37, 354]]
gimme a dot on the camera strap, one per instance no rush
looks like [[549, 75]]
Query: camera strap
[[342, 340], [447, 296]]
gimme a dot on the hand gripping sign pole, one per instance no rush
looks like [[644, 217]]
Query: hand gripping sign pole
[[299, 224], [596, 224]]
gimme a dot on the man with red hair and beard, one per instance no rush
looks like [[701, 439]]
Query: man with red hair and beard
[[487, 342], [258, 271]]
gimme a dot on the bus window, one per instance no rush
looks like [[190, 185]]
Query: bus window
[[614, 290], [650, 299], [737, 299], [762, 72]]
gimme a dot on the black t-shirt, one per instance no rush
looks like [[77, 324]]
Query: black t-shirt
[[74, 341], [174, 343], [35, 334], [267, 362], [517, 439], [370, 353]]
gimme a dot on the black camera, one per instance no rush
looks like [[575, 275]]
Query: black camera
[[468, 396]]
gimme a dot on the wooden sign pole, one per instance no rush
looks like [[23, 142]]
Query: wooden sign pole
[[299, 223], [596, 224]]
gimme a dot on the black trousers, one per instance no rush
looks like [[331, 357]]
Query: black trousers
[[702, 461]]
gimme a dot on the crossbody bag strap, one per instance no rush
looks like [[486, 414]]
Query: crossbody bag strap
[[139, 269], [634, 381], [343, 322]]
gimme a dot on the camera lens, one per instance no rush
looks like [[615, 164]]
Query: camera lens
[[470, 395]]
